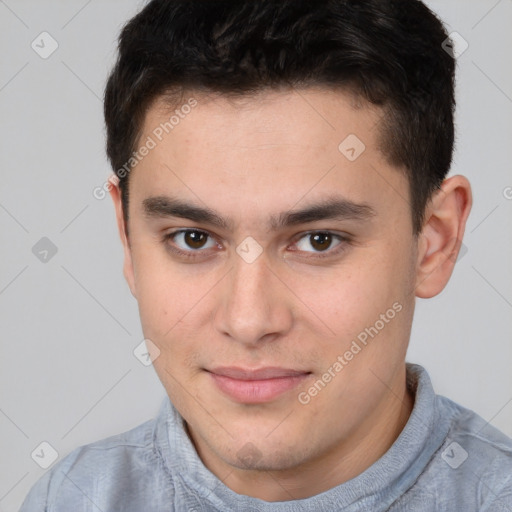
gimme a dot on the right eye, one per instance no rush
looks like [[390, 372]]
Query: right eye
[[189, 242]]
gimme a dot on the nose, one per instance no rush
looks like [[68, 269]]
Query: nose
[[255, 304]]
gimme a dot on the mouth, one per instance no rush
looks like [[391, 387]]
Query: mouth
[[256, 386]]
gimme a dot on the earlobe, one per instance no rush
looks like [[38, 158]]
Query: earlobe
[[441, 237], [128, 271]]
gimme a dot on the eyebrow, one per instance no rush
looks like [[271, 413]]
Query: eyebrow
[[330, 208]]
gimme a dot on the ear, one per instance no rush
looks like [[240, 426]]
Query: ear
[[441, 237], [115, 194]]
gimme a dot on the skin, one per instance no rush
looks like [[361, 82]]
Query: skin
[[248, 159]]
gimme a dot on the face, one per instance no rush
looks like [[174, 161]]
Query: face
[[274, 271]]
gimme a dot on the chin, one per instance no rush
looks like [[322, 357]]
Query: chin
[[261, 454]]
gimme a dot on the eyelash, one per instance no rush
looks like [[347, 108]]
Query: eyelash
[[197, 253]]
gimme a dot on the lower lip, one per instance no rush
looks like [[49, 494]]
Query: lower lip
[[256, 391]]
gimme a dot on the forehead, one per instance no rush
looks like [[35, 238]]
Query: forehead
[[278, 147], [304, 116]]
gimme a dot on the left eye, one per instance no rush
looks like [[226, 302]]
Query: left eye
[[320, 241]]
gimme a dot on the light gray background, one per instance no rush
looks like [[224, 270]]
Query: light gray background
[[68, 375]]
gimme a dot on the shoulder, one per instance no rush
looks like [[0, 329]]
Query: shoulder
[[476, 457], [482, 439], [101, 472]]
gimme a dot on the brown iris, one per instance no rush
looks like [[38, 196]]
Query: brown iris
[[195, 239], [321, 241]]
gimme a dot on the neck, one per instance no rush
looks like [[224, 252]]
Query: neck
[[341, 463]]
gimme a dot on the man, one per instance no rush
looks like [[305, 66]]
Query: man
[[281, 197]]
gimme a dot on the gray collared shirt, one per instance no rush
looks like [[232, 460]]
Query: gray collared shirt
[[446, 459]]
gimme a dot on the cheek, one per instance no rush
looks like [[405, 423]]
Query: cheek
[[349, 303], [158, 307], [348, 297], [166, 308], [160, 291], [171, 300]]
